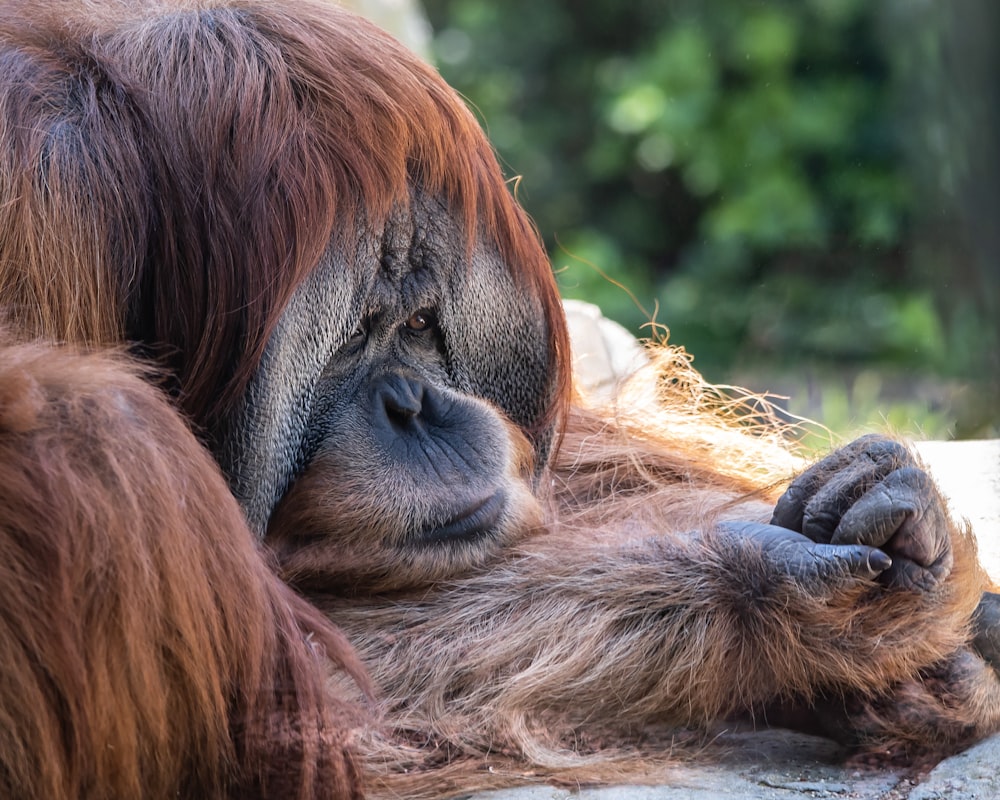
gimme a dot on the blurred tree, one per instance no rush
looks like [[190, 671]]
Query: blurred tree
[[946, 63], [745, 166]]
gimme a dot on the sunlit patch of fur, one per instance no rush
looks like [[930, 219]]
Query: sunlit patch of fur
[[668, 429]]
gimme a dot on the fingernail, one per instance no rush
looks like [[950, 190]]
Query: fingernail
[[878, 560]]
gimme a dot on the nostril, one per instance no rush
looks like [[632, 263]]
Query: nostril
[[400, 412], [401, 398]]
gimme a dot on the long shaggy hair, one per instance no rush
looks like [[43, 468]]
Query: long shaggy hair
[[148, 649]]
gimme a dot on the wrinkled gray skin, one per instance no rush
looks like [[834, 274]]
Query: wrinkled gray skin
[[345, 330]]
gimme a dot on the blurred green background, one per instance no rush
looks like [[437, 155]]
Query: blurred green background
[[804, 192]]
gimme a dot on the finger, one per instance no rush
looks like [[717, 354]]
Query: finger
[[834, 498], [858, 559], [909, 575], [882, 450], [986, 629], [883, 511], [791, 507], [905, 515], [807, 562]]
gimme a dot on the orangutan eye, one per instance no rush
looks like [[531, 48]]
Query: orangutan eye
[[422, 320]]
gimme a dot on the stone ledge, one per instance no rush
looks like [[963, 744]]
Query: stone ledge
[[781, 765]]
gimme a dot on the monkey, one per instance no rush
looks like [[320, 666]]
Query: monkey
[[308, 233]]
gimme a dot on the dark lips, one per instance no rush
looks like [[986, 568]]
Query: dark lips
[[477, 519]]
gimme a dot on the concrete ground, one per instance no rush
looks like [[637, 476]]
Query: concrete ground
[[781, 765]]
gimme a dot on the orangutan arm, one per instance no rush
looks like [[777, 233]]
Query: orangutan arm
[[673, 630], [680, 629]]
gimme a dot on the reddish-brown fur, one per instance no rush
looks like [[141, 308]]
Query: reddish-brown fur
[[148, 648]]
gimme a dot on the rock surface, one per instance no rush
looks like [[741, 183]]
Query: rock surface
[[781, 765], [777, 764]]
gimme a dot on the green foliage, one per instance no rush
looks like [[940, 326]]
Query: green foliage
[[740, 167]]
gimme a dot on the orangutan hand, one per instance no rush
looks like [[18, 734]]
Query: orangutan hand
[[873, 492]]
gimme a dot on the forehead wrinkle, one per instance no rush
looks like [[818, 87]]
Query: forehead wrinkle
[[408, 273], [400, 295]]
